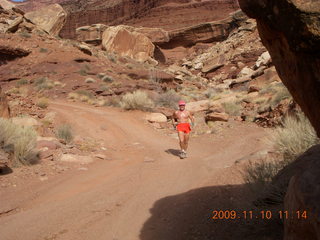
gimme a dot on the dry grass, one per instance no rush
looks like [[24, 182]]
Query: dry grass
[[294, 137], [168, 99], [43, 83], [43, 103], [65, 133], [232, 108], [20, 141], [137, 100]]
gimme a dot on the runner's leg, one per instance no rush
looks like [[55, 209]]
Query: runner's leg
[[181, 140], [186, 141]]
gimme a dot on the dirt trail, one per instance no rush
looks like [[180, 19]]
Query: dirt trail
[[112, 200]]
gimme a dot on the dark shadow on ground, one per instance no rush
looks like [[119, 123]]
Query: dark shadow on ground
[[189, 216], [174, 152], [5, 170]]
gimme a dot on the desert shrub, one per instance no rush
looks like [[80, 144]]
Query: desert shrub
[[210, 93], [113, 101], [232, 108], [137, 100], [65, 133], [22, 82], [43, 83], [43, 50], [21, 141], [85, 93], [25, 34], [281, 94], [259, 173], [294, 137], [107, 79], [89, 80], [168, 99], [43, 103]]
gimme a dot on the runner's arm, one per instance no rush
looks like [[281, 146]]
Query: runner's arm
[[174, 120], [191, 117]]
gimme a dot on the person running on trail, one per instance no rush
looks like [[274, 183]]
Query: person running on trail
[[183, 126]]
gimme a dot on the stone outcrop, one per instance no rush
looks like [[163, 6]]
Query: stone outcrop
[[91, 34], [291, 32], [4, 107], [51, 18], [148, 13], [205, 33], [126, 43]]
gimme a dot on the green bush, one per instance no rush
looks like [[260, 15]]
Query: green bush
[[137, 100], [107, 79], [43, 83], [21, 141], [65, 133]]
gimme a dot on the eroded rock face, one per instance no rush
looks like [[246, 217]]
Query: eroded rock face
[[4, 107], [124, 42], [50, 18], [291, 32], [91, 34]]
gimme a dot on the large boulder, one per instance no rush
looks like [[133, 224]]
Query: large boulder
[[4, 107], [124, 42], [303, 195], [290, 29], [50, 18], [91, 34]]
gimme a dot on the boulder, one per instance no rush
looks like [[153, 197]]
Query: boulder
[[7, 5], [4, 107], [156, 35], [290, 30], [213, 64], [71, 158], [51, 18], [303, 194], [245, 72], [91, 34], [126, 43], [198, 106], [263, 60], [156, 117], [217, 116]]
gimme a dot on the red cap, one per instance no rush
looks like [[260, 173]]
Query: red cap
[[182, 103]]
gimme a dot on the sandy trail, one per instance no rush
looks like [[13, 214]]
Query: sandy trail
[[112, 200]]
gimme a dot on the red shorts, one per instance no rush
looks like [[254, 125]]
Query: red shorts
[[184, 127]]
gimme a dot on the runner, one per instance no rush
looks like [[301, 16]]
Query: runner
[[182, 116]]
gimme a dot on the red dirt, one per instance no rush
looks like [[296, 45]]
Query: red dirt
[[113, 199]]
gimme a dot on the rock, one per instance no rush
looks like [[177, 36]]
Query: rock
[[263, 60], [91, 34], [76, 159], [50, 18], [198, 106], [7, 5], [303, 194], [4, 160], [127, 43], [100, 156], [25, 121], [47, 155], [168, 112], [213, 64], [216, 116], [207, 32], [246, 72], [48, 144], [14, 24], [156, 35], [84, 48], [156, 117], [291, 35], [4, 107], [198, 66], [50, 116]]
